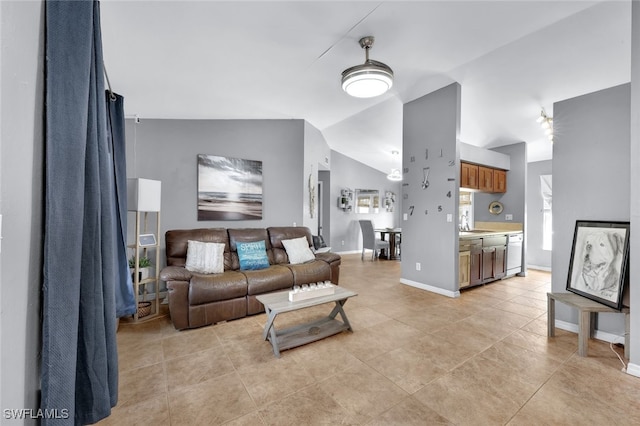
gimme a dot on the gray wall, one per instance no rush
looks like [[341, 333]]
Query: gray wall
[[514, 200], [635, 186], [431, 123], [316, 157], [349, 173], [536, 256], [167, 150], [591, 178], [21, 204]]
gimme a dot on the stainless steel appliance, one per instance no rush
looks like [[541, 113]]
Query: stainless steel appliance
[[514, 253]]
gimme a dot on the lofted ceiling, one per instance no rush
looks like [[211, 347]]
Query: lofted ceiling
[[283, 60]]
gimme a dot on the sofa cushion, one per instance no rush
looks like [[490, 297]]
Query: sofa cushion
[[247, 235], [212, 288], [252, 255], [279, 233], [176, 241], [275, 277], [310, 272], [298, 250], [206, 258]]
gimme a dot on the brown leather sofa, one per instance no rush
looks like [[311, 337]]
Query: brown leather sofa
[[196, 300]]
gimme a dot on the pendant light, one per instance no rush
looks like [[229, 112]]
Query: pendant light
[[370, 79]]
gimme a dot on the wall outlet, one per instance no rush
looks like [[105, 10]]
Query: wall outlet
[[405, 216], [508, 217], [449, 217], [342, 242], [418, 266]]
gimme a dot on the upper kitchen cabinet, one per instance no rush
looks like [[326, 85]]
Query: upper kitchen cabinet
[[482, 178], [468, 176], [485, 178], [499, 181]]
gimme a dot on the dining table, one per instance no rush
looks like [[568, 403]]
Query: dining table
[[395, 234]]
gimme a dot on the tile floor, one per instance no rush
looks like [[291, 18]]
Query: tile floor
[[414, 358]]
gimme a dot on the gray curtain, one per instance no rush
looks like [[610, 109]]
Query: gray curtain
[[81, 270], [125, 302]]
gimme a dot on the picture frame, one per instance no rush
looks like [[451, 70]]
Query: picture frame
[[599, 261], [229, 188]]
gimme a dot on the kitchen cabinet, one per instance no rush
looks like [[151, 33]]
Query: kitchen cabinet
[[472, 262], [475, 266], [499, 181], [482, 178], [464, 268], [487, 260], [468, 176], [485, 179]]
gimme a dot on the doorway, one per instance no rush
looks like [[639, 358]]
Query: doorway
[[323, 197]]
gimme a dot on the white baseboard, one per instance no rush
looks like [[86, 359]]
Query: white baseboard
[[539, 268], [349, 252], [430, 288], [633, 369], [600, 335]]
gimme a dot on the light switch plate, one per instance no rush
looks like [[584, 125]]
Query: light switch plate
[[508, 217], [404, 216]]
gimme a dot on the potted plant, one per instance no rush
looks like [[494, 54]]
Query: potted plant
[[144, 267]]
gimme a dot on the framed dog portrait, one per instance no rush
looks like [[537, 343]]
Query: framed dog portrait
[[599, 261]]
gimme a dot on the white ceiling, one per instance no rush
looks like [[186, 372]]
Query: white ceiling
[[265, 59]]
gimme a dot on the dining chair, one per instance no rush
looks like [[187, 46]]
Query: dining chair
[[369, 240]]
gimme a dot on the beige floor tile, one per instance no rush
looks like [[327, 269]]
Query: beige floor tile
[[212, 402], [410, 412], [324, 358], [408, 369], [271, 381], [558, 348], [550, 406], [465, 403], [189, 341], [139, 354], [151, 411], [363, 391], [308, 406], [197, 367], [142, 383]]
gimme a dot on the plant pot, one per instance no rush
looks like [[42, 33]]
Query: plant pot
[[143, 273]]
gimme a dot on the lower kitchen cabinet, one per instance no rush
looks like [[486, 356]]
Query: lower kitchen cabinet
[[487, 260], [475, 266], [464, 268]]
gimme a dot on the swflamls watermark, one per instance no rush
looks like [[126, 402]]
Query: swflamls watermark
[[30, 413]]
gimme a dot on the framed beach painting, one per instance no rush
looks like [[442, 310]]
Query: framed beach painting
[[229, 188], [599, 261]]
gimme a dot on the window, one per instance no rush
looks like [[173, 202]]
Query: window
[[547, 229]]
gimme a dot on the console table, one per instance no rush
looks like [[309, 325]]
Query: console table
[[277, 303], [587, 309]]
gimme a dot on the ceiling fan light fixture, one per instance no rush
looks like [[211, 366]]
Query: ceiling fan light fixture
[[370, 79], [395, 175]]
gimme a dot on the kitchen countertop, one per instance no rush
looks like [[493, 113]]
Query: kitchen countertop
[[480, 233]]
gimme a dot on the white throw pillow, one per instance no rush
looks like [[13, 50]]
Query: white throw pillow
[[205, 258], [298, 250]]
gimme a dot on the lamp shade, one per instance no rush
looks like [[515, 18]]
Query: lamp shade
[[370, 79], [143, 195]]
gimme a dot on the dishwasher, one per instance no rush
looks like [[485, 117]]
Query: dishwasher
[[514, 253]]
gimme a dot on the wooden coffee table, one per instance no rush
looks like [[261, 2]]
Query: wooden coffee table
[[277, 303]]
